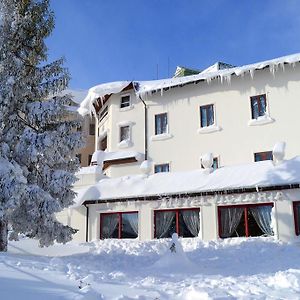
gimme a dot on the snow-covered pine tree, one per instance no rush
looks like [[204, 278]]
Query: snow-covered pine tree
[[38, 133]]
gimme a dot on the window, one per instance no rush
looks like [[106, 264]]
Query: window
[[124, 133], [125, 101], [215, 164], [79, 157], [267, 155], [119, 225], [90, 159], [245, 220], [92, 129], [185, 222], [103, 143], [207, 115], [258, 106], [161, 123], [296, 206], [103, 113], [161, 168]]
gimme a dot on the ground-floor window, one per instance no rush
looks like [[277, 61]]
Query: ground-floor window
[[185, 222], [121, 225], [245, 220], [296, 206]]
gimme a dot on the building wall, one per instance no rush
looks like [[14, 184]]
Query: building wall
[[283, 216], [235, 143]]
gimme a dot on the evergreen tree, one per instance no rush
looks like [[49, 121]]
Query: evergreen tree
[[38, 136]]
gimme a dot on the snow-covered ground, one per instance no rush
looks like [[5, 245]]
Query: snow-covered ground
[[254, 268]]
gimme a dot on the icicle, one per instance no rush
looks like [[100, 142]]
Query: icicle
[[221, 78], [228, 78], [161, 91], [282, 66]]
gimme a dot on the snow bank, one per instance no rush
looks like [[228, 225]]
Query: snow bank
[[258, 174]]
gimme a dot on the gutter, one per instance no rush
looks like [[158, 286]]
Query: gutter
[[145, 127], [86, 222], [199, 194]]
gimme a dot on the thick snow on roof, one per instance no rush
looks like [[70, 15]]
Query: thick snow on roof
[[144, 87], [99, 91], [258, 174]]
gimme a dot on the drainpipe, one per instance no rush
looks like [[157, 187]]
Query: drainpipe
[[146, 127], [87, 223]]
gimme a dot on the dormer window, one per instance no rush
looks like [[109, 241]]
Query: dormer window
[[258, 106], [125, 101]]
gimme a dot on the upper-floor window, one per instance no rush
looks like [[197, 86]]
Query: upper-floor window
[[161, 123], [207, 115], [267, 155], [258, 106], [161, 168], [103, 143], [125, 101], [92, 129], [124, 133]]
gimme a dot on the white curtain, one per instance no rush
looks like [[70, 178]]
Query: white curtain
[[191, 220], [230, 219], [262, 216], [163, 221], [109, 224], [133, 221]]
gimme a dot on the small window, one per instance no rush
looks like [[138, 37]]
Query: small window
[[79, 157], [92, 129], [185, 222], [245, 220], [124, 133], [215, 164], [207, 115], [161, 123], [125, 101], [161, 168], [103, 144], [267, 155], [296, 206], [258, 106], [90, 159], [119, 225]]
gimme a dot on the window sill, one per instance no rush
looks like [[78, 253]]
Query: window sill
[[126, 108], [261, 121], [124, 144], [209, 129], [161, 137]]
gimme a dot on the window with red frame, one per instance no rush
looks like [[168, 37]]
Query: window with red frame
[[296, 206], [259, 156], [258, 106], [245, 220], [185, 222], [121, 225]]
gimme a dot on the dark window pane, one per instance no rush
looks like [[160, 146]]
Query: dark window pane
[[267, 155], [207, 115], [129, 225], [258, 106], [161, 123], [109, 226], [124, 133], [189, 222], [92, 129], [90, 159], [125, 101], [103, 144], [297, 211], [161, 168]]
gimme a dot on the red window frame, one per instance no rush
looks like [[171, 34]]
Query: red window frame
[[259, 99], [120, 221], [176, 210], [296, 217], [246, 207], [264, 155]]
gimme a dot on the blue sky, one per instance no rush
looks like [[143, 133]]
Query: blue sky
[[110, 40]]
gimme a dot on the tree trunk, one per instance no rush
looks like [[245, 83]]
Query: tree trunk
[[3, 235]]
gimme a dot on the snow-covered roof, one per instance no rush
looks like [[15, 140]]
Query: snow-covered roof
[[252, 175], [144, 87]]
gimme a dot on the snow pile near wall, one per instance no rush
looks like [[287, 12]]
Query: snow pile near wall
[[130, 269], [143, 88], [258, 174]]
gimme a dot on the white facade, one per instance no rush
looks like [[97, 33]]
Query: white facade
[[233, 138]]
